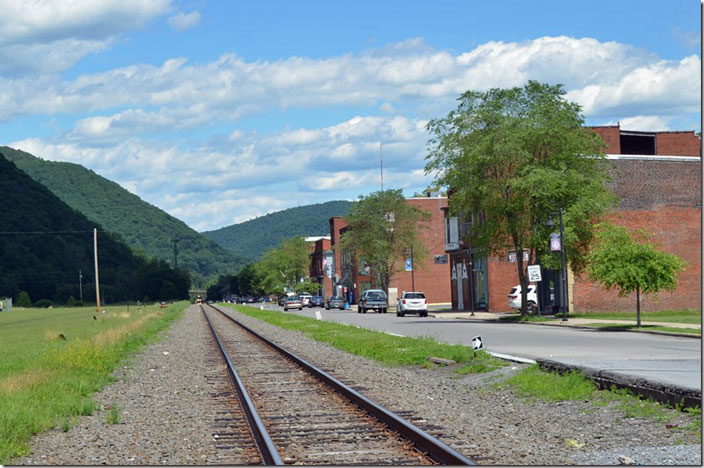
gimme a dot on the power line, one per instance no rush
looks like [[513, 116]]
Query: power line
[[46, 232]]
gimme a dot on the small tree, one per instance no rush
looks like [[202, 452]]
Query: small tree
[[631, 263], [23, 300], [381, 226]]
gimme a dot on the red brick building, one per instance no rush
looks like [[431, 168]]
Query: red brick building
[[657, 176], [432, 277], [321, 265]]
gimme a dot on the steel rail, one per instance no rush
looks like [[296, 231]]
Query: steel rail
[[270, 456], [433, 448]]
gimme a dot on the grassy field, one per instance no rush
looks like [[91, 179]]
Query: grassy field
[[53, 361]]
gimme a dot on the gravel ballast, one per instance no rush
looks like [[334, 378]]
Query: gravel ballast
[[167, 413]]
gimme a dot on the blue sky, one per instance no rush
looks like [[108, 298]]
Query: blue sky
[[222, 111]]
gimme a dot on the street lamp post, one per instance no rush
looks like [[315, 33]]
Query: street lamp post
[[563, 271]]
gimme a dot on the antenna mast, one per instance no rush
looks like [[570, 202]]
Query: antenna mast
[[381, 166]]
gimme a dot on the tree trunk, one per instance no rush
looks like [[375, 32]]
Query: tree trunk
[[638, 305]]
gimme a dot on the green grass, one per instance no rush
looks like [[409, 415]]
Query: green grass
[[528, 318], [671, 316], [47, 381], [381, 347], [114, 416], [535, 383]]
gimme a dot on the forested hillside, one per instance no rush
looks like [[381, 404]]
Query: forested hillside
[[141, 225], [254, 237], [44, 244]]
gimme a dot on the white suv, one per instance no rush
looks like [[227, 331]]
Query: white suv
[[412, 302], [514, 297], [305, 299]]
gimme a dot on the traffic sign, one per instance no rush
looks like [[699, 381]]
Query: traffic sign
[[534, 273]]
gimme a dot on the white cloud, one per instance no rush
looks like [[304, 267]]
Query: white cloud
[[646, 123], [50, 36], [607, 78], [182, 21]]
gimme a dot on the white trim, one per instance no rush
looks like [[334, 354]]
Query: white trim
[[654, 157]]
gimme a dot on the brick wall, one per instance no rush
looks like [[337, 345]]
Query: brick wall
[[663, 197], [431, 278], [678, 144], [611, 136], [676, 230]]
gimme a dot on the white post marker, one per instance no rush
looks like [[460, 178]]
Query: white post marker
[[477, 343], [318, 315]]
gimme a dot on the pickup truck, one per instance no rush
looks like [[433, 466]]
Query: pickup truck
[[373, 299]]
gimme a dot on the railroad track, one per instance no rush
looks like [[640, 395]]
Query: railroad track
[[298, 414]]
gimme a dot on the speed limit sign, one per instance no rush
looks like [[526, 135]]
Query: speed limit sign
[[534, 273]]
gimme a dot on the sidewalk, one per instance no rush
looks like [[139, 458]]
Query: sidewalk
[[571, 322]]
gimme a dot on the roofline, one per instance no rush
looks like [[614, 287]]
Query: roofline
[[650, 157]]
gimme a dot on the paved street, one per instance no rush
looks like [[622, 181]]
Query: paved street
[[667, 360]]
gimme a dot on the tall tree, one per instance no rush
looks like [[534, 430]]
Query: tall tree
[[513, 157], [284, 266], [380, 227], [631, 262]]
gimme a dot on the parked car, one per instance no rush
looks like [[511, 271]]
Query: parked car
[[412, 302], [317, 301], [293, 302], [335, 302], [514, 297], [305, 299], [373, 299]]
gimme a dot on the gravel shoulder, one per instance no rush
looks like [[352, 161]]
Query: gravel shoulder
[[167, 412]]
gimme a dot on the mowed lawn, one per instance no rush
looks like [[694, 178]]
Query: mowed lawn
[[53, 360], [669, 316]]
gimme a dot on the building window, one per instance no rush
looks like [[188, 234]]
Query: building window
[[439, 259]]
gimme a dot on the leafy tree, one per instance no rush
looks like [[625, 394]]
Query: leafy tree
[[284, 266], [512, 157], [23, 300], [629, 262], [380, 227]]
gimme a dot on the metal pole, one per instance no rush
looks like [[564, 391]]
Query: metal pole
[[563, 291], [97, 284], [413, 271], [80, 285]]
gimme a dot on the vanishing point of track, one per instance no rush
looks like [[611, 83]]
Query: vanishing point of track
[[298, 414]]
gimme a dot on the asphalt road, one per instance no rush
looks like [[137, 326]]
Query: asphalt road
[[665, 360]]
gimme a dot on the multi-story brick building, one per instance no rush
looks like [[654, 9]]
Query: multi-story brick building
[[321, 265], [432, 277], [657, 176]]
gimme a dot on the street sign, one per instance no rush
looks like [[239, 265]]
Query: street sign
[[534, 273]]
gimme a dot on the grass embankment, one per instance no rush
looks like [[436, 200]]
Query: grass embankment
[[381, 347], [54, 360]]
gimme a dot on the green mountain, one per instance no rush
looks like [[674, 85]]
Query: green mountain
[[142, 226], [254, 237], [44, 244]]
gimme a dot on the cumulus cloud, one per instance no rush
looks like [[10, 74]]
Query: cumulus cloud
[[234, 174], [47, 36], [182, 21], [606, 78]]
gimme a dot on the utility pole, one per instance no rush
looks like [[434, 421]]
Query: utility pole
[[80, 285], [97, 283], [381, 166], [175, 241]]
